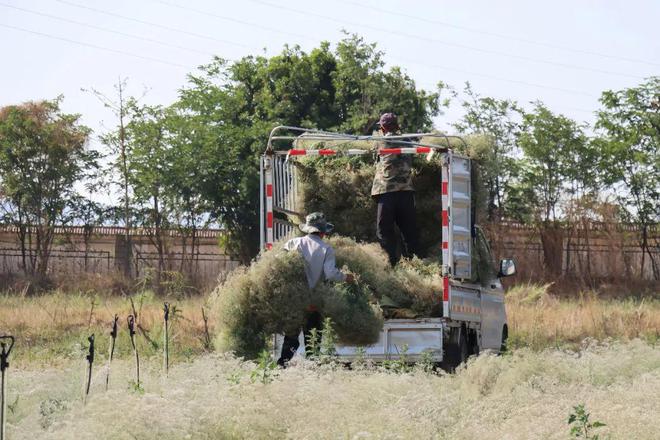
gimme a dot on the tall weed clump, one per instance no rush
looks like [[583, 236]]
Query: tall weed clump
[[539, 320]]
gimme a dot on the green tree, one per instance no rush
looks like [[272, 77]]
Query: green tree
[[557, 159], [147, 159], [43, 155], [117, 170], [557, 163], [629, 121], [500, 121], [232, 108]]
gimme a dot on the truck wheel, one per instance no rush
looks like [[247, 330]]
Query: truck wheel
[[456, 351], [505, 336]]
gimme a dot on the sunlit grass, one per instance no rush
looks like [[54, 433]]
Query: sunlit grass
[[523, 395], [539, 320], [53, 328]]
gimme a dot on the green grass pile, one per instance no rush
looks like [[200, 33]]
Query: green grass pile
[[272, 295], [414, 285]]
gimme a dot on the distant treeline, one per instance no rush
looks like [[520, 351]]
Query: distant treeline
[[195, 161]]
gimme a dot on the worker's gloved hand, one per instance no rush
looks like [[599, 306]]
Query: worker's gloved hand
[[350, 278]]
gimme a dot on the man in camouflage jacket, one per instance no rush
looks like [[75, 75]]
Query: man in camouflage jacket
[[393, 190]]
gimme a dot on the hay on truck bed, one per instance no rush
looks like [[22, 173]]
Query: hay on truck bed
[[271, 296], [340, 187]]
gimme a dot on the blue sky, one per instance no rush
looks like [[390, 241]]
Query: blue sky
[[563, 52]]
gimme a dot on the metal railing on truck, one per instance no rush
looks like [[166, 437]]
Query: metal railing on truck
[[279, 189]]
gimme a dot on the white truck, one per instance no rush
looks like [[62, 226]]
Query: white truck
[[473, 314]]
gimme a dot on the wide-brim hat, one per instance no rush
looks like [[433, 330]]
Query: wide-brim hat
[[315, 222]]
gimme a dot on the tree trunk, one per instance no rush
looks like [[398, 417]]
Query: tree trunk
[[552, 240]]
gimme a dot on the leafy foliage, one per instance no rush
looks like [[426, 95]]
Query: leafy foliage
[[232, 107], [556, 158], [500, 121], [630, 122], [43, 155], [581, 426]]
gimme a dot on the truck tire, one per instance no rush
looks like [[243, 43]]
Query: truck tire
[[505, 337], [457, 350]]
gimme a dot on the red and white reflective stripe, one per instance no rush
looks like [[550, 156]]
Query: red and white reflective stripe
[[355, 152], [445, 237], [412, 150], [445, 295], [324, 152], [269, 207]]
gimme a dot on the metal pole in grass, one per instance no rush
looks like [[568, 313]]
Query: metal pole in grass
[[5, 350], [131, 332], [90, 363], [113, 336], [166, 342]]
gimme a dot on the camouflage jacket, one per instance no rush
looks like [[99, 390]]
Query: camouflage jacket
[[393, 171]]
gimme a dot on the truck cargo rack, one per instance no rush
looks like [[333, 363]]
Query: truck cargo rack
[[279, 189]]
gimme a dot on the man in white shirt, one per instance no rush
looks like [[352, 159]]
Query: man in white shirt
[[320, 266]]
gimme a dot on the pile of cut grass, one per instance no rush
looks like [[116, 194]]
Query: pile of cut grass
[[272, 295], [340, 187]]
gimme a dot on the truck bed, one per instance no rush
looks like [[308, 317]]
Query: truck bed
[[412, 336]]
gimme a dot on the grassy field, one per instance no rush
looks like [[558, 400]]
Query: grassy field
[[603, 353], [53, 328], [538, 320], [522, 395]]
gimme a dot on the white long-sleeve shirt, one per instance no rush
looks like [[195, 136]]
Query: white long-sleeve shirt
[[319, 258]]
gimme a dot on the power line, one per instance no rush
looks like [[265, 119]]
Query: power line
[[94, 46], [498, 35], [156, 25], [431, 66], [509, 80], [137, 37], [431, 87], [446, 43], [234, 20], [498, 78]]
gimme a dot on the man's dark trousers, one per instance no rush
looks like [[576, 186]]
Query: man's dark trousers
[[291, 342], [397, 208]]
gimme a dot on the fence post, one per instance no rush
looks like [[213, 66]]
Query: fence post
[[4, 364]]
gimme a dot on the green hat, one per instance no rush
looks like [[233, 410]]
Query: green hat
[[315, 222]]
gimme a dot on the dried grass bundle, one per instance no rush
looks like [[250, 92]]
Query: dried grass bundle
[[271, 296]]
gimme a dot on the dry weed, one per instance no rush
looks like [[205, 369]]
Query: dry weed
[[539, 320], [527, 395]]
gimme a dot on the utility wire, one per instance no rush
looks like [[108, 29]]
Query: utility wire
[[446, 43], [90, 26], [520, 82], [156, 25], [431, 66], [498, 35], [234, 20], [499, 78], [94, 46]]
